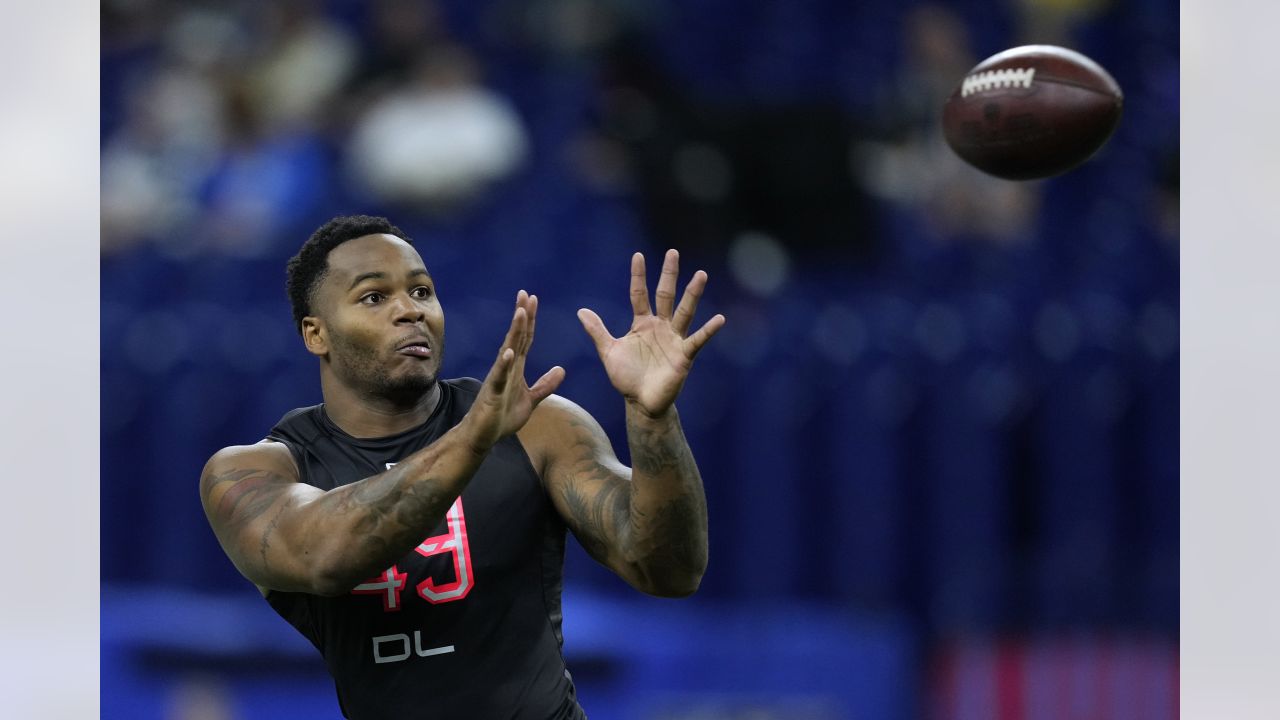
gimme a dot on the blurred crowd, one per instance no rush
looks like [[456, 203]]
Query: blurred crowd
[[938, 393]]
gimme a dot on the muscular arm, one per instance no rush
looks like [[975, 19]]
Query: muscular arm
[[647, 523], [285, 535], [669, 507]]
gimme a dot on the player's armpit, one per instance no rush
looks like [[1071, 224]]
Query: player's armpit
[[250, 496]]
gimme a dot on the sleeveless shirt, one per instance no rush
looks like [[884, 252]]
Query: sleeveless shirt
[[466, 625]]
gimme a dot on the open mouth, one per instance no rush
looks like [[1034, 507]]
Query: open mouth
[[415, 348]]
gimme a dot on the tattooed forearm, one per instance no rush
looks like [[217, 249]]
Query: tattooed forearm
[[284, 534], [673, 539], [391, 513], [660, 447], [668, 509], [659, 450]]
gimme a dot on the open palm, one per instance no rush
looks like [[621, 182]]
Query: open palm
[[650, 363]]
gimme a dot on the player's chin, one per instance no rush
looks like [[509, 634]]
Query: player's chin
[[414, 373], [421, 375], [408, 387]]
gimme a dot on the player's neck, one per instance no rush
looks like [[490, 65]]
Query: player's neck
[[364, 416]]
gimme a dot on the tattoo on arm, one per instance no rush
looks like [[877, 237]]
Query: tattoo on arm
[[669, 516], [286, 535], [675, 536], [394, 514], [598, 520], [655, 451], [251, 493], [265, 544], [597, 500], [667, 527]]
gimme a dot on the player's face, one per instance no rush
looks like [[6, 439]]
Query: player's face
[[382, 319]]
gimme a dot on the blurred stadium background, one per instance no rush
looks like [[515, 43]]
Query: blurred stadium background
[[939, 434]]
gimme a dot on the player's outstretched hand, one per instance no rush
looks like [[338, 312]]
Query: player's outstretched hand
[[506, 401], [649, 364]]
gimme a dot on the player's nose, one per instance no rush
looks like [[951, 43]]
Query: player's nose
[[406, 311]]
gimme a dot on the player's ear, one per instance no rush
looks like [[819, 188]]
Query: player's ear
[[315, 336]]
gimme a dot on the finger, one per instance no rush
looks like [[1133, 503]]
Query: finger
[[520, 343], [513, 332], [521, 339], [546, 384], [665, 295], [515, 337], [532, 306], [522, 299], [639, 293], [500, 373], [683, 316], [695, 342], [596, 330]]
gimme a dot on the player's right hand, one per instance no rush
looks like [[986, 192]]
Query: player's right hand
[[506, 401]]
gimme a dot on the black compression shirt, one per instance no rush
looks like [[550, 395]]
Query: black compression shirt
[[468, 624]]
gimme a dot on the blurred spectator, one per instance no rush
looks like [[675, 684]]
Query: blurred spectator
[[170, 139], [275, 93], [397, 34], [439, 140], [914, 166], [1053, 22], [269, 178], [216, 148], [570, 31], [172, 132], [306, 59], [709, 169]]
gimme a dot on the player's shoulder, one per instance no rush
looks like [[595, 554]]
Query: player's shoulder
[[559, 420], [558, 408], [266, 462], [268, 455]]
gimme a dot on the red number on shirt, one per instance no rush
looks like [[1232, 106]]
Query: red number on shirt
[[388, 585], [454, 542]]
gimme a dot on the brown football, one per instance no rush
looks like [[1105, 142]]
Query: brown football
[[1032, 112]]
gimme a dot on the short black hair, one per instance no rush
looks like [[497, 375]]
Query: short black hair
[[307, 269]]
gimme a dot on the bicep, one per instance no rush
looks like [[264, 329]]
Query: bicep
[[249, 495]]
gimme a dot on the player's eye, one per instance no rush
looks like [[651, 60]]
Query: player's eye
[[372, 298], [422, 292]]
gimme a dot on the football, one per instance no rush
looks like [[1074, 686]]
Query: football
[[1032, 112]]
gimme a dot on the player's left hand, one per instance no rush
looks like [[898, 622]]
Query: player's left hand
[[649, 364]]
